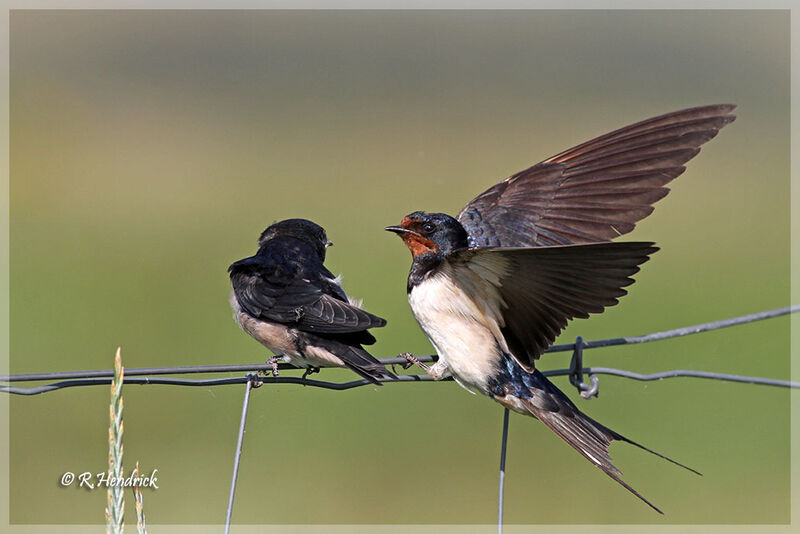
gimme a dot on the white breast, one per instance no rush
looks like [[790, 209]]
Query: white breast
[[462, 320]]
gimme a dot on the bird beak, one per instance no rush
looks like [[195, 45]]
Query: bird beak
[[328, 243], [400, 230]]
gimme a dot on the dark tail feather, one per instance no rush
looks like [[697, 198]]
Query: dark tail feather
[[363, 363], [620, 437], [371, 374], [591, 439], [353, 356], [364, 374]]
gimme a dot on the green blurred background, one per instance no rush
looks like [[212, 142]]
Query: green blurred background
[[150, 149]]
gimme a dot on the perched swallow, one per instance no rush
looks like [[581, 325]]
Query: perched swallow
[[288, 301], [494, 287]]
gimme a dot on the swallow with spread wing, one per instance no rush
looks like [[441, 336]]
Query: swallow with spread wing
[[494, 287], [286, 299]]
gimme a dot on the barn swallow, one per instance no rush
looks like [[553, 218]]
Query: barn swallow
[[286, 299], [494, 287]]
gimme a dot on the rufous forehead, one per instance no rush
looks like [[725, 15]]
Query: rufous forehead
[[408, 221]]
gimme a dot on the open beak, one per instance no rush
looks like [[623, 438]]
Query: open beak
[[400, 230]]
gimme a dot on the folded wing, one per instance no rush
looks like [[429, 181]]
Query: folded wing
[[270, 290]]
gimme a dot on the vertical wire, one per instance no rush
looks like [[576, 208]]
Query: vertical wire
[[238, 454], [501, 488]]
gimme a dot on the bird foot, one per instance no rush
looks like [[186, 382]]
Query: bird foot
[[412, 360], [274, 363], [310, 371]]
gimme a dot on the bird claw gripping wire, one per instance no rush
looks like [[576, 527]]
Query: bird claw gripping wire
[[411, 360], [586, 391], [310, 371], [272, 362]]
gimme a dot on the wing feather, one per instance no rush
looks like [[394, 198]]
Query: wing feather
[[542, 288], [595, 191], [269, 291]]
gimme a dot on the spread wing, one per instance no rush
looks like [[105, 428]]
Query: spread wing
[[540, 289], [594, 191], [276, 289]]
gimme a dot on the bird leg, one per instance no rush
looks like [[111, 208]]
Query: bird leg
[[310, 371], [274, 363], [438, 370], [412, 360]]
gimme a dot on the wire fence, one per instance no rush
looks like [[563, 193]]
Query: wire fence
[[67, 379], [258, 375]]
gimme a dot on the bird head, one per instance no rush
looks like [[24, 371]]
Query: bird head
[[300, 229], [430, 233]]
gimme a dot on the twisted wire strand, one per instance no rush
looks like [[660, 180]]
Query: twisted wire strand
[[150, 375]]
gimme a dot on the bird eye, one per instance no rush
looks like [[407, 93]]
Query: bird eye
[[428, 227]]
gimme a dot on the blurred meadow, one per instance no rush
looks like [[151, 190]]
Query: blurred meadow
[[150, 149]]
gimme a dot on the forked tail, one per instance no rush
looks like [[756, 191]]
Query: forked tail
[[553, 408]]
